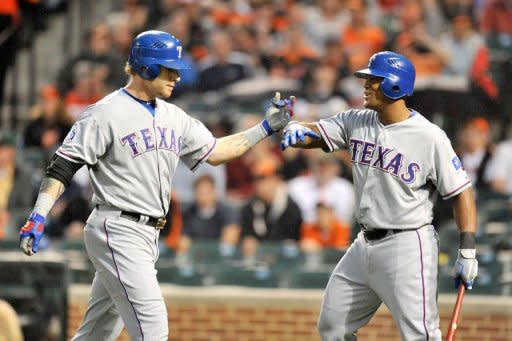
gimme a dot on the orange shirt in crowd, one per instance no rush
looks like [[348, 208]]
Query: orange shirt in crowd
[[361, 43], [338, 235]]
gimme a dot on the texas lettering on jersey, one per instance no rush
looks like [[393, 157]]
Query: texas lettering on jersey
[[384, 159], [143, 140]]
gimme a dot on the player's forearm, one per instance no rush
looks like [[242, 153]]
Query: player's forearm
[[51, 189], [234, 146], [464, 210]]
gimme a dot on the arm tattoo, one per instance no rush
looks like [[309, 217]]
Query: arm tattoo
[[52, 187], [231, 147]]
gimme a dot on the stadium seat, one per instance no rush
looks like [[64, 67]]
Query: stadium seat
[[332, 256], [182, 275], [260, 276], [314, 279], [210, 252]]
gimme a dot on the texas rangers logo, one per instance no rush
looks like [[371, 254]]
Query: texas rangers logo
[[71, 135], [383, 158], [144, 140]]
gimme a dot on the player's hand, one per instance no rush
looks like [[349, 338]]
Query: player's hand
[[295, 132], [466, 268], [278, 113], [31, 234]]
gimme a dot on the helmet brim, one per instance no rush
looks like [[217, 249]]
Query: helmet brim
[[365, 73], [174, 64]]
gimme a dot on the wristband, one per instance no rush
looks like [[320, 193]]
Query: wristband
[[267, 127], [467, 240]]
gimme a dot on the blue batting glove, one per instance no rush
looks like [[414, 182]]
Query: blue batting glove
[[466, 268], [295, 132], [31, 234]]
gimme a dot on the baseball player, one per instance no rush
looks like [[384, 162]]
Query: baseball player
[[131, 142], [399, 160]]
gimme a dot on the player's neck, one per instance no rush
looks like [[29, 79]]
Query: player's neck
[[137, 89], [394, 112]]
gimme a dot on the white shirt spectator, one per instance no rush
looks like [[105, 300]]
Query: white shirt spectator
[[498, 171]]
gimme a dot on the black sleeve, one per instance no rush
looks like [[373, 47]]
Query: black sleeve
[[61, 169]]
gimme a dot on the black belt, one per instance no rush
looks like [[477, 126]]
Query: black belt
[[155, 222], [380, 233]]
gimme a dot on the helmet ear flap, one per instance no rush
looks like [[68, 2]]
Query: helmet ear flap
[[391, 89], [149, 72]]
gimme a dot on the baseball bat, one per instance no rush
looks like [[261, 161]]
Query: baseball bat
[[455, 314]]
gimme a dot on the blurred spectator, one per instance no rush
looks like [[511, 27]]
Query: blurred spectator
[[416, 42], [295, 163], [180, 26], [68, 216], [498, 173], [240, 186], [10, 22], [467, 54], [323, 184], [184, 188], [325, 21], [49, 122], [100, 59], [122, 34], [360, 39], [223, 66], [137, 12], [271, 214], [209, 218], [326, 232], [15, 189], [88, 88], [321, 94], [475, 150], [497, 17], [294, 56], [171, 233]]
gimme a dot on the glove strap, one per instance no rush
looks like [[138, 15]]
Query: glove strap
[[467, 253], [267, 127], [36, 217]]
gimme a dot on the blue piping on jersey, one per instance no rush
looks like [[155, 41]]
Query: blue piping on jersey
[[150, 106]]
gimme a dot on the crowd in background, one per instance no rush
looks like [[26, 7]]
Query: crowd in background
[[240, 51]]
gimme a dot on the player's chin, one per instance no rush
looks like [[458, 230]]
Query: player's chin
[[166, 93]]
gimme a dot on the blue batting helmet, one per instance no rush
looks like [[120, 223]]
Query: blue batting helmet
[[152, 49], [398, 73]]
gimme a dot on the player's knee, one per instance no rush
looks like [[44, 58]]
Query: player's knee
[[331, 327]]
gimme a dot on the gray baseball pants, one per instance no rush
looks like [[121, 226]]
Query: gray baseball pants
[[125, 287], [399, 270]]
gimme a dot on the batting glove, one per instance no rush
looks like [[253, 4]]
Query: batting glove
[[295, 132], [278, 113], [466, 268], [31, 234]]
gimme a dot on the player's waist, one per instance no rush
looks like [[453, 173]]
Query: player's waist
[[371, 233], [155, 222]]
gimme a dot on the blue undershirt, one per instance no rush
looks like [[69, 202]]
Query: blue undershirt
[[149, 105]]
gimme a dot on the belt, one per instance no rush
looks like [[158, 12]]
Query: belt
[[157, 223], [380, 233]]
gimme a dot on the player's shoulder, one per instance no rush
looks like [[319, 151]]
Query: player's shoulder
[[105, 107], [428, 128]]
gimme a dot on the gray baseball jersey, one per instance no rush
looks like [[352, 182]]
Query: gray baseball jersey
[[395, 167], [396, 170], [132, 149], [132, 155]]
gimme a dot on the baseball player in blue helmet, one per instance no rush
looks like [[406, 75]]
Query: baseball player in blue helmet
[[399, 160], [131, 142]]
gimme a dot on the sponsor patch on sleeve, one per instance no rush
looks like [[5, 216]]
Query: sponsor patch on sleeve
[[456, 163]]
